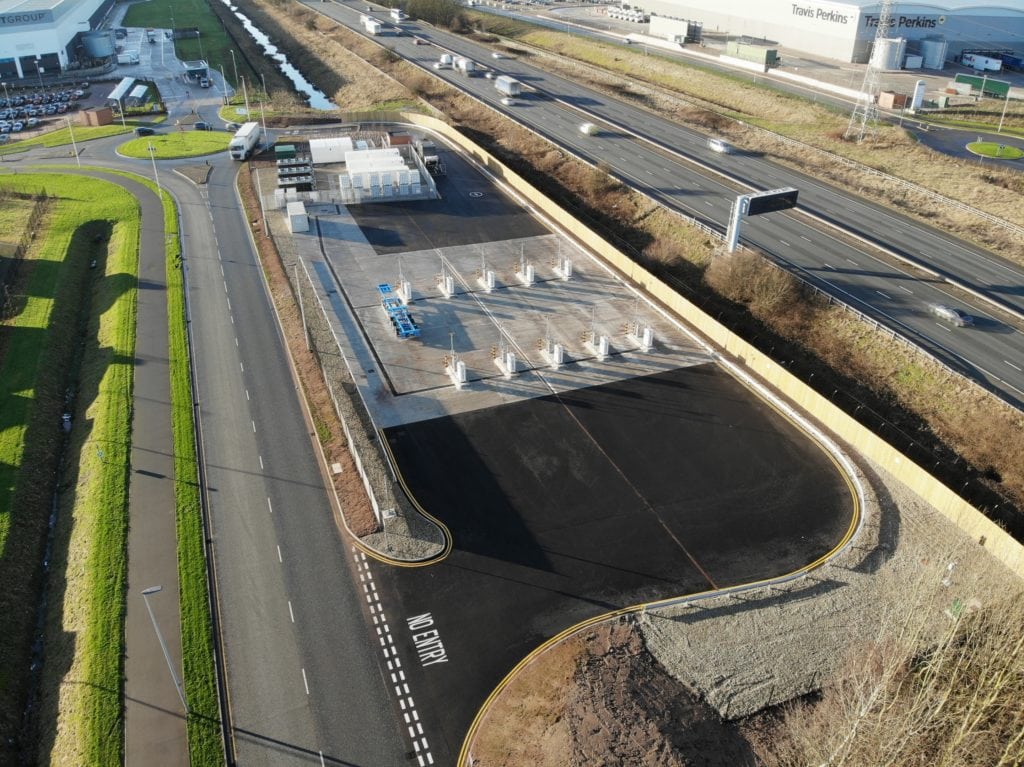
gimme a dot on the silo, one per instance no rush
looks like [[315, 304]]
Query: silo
[[888, 53], [98, 44], [934, 49]]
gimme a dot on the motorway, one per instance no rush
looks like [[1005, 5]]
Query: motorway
[[674, 166]]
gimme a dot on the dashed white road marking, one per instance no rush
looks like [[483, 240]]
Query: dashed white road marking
[[785, 244], [279, 554], [291, 613], [1011, 365], [305, 682], [401, 686], [883, 295], [253, 427], [261, 461], [270, 508], [246, 395], [905, 289]]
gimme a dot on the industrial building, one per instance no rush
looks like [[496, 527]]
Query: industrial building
[[846, 30], [41, 37]]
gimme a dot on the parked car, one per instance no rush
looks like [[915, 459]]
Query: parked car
[[952, 315], [142, 130]]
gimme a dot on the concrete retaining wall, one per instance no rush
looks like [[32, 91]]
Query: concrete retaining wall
[[971, 521]]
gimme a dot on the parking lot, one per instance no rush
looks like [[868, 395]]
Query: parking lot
[[26, 112]]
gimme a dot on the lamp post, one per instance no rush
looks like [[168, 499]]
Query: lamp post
[[39, 70], [163, 646], [74, 146], [120, 106], [152, 157], [263, 79], [234, 65], [223, 86], [245, 93], [1003, 115]]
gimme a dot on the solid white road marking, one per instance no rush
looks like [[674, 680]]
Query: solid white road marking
[[290, 612], [305, 682]]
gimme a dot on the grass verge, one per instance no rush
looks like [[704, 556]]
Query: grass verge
[[76, 330], [170, 146], [204, 742], [62, 136]]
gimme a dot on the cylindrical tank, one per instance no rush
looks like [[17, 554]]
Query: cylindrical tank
[[98, 44], [934, 50], [888, 53]]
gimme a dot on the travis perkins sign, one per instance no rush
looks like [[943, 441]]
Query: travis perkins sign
[[905, 22], [18, 19]]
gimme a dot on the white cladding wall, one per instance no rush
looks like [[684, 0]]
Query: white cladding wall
[[845, 31], [47, 33]]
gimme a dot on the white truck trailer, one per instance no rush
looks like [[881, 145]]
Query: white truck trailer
[[980, 63], [244, 141], [508, 86], [127, 58]]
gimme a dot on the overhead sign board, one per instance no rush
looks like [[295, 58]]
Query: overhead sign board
[[771, 201]]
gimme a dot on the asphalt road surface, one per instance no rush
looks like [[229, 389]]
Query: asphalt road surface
[[305, 677], [570, 506], [897, 297]]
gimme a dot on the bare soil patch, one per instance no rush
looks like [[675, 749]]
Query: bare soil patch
[[600, 698]]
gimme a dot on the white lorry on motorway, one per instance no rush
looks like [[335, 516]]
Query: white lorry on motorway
[[508, 86], [244, 141]]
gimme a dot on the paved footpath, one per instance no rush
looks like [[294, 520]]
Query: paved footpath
[[154, 717]]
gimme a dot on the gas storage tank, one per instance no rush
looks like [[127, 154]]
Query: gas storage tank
[[888, 53], [933, 51], [98, 44]]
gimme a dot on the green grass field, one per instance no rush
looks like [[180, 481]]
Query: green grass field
[[168, 146], [213, 44], [995, 149], [76, 328]]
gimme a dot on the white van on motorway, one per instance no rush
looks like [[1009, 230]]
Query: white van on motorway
[[589, 129], [717, 145]]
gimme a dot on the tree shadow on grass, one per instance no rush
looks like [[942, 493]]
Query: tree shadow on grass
[[34, 564]]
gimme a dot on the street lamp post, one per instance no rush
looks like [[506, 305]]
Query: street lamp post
[[234, 65], [39, 70], [120, 106], [152, 157], [74, 146], [263, 79], [163, 645], [1003, 115], [245, 93], [223, 86]]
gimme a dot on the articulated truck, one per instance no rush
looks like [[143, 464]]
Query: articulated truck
[[244, 141]]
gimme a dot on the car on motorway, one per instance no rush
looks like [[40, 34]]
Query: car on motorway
[[509, 102], [952, 315], [717, 145], [589, 129]]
